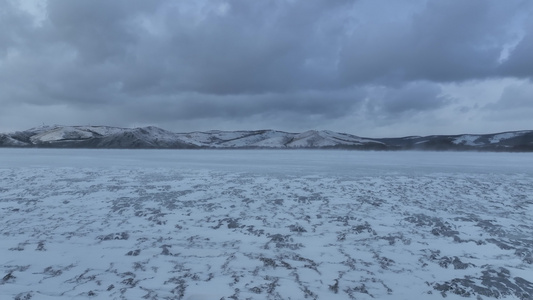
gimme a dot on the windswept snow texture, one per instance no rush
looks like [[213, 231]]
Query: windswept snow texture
[[265, 224]]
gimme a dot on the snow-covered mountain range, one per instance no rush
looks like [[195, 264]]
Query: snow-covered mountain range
[[157, 138]]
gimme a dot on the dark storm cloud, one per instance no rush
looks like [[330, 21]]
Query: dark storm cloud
[[514, 105], [416, 96], [520, 63], [440, 41], [514, 97], [242, 48], [244, 60], [324, 105]]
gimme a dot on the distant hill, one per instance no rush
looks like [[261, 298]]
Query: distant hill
[[157, 138]]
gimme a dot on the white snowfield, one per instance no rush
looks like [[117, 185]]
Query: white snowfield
[[265, 224]]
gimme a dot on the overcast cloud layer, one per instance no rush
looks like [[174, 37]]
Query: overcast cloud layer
[[372, 68]]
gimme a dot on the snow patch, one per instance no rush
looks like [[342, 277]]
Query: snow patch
[[505, 136], [468, 140]]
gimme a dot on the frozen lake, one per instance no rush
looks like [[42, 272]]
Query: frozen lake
[[333, 162], [265, 224]]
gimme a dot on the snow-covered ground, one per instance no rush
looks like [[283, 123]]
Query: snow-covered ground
[[265, 224]]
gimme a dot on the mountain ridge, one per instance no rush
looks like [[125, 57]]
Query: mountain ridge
[[152, 137]]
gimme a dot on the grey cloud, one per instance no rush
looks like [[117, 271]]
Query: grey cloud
[[519, 63], [134, 48], [514, 97], [415, 97], [302, 105], [514, 107], [253, 48], [393, 103], [444, 41], [98, 31]]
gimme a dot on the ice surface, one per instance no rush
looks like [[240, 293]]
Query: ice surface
[[278, 224]]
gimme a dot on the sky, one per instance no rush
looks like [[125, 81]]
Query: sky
[[371, 68]]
